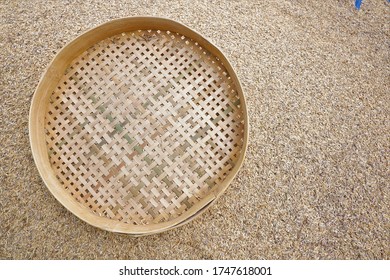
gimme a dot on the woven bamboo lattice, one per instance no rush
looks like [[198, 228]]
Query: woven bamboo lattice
[[143, 125]]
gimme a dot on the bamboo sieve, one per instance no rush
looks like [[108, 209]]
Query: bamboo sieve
[[138, 125]]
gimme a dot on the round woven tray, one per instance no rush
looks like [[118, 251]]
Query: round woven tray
[[138, 125]]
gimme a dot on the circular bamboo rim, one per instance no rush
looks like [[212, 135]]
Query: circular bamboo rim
[[138, 125]]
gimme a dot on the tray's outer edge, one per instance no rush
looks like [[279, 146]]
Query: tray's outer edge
[[51, 77]]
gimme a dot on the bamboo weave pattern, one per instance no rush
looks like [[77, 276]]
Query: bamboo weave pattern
[[143, 125]]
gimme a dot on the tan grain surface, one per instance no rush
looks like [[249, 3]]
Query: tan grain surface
[[315, 183]]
